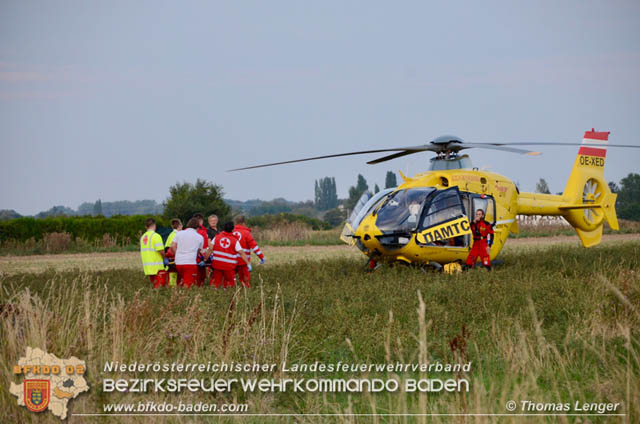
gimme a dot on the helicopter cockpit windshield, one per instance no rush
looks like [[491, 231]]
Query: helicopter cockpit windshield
[[401, 210], [364, 206]]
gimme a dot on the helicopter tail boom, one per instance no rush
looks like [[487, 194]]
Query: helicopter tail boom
[[587, 202]]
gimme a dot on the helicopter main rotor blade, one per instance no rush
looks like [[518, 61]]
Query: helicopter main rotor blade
[[443, 144], [536, 143], [396, 155], [502, 147], [363, 152]]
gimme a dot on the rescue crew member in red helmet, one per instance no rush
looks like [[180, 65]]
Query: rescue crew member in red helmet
[[225, 252], [482, 233], [248, 244]]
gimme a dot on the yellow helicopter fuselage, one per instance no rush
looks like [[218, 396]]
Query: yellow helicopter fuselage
[[585, 203], [499, 192]]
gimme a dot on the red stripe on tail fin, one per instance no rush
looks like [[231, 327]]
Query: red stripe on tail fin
[[597, 135], [592, 151]]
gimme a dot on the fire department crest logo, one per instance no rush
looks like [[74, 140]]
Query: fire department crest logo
[[225, 242], [237, 234], [50, 383], [36, 394]]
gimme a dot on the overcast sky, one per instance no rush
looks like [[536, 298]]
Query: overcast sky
[[119, 100]]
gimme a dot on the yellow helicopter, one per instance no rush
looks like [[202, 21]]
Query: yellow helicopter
[[426, 219]]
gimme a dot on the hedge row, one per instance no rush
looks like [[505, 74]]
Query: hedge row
[[88, 228], [91, 228]]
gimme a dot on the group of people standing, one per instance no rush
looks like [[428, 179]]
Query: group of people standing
[[193, 254]]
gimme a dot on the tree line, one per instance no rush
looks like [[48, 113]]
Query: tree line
[[186, 199]]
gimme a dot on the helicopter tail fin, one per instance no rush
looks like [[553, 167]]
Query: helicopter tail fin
[[590, 201]]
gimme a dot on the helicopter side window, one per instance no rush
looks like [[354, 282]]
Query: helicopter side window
[[445, 206], [488, 205]]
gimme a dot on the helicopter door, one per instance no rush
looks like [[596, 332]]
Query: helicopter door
[[444, 221]]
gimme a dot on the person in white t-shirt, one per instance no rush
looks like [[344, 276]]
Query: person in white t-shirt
[[186, 245]]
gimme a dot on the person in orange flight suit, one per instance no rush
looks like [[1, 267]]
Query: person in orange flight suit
[[482, 233]]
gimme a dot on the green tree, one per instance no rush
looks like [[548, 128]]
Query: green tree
[[97, 208], [390, 180], [7, 214], [334, 217], [56, 211], [274, 206], [356, 191], [628, 201], [613, 187], [376, 189], [326, 195], [123, 207], [542, 187], [186, 199]]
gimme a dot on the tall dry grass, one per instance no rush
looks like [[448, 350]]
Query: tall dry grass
[[285, 232], [556, 325], [295, 234], [63, 242], [538, 370], [86, 319]]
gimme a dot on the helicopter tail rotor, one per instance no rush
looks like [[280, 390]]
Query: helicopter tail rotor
[[587, 201], [592, 202]]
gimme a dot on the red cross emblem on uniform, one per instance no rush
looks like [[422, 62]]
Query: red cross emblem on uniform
[[145, 239], [237, 234], [224, 242]]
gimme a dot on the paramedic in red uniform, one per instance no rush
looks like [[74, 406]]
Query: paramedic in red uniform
[[226, 253], [480, 229], [202, 266], [248, 244]]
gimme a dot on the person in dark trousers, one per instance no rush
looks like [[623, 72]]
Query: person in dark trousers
[[212, 229], [482, 233]]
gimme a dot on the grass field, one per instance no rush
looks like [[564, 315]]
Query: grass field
[[555, 323]]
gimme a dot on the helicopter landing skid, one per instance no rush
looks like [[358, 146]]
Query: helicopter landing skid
[[431, 266], [372, 264]]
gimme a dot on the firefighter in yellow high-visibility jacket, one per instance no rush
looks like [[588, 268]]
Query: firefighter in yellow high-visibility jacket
[[176, 224], [153, 256]]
